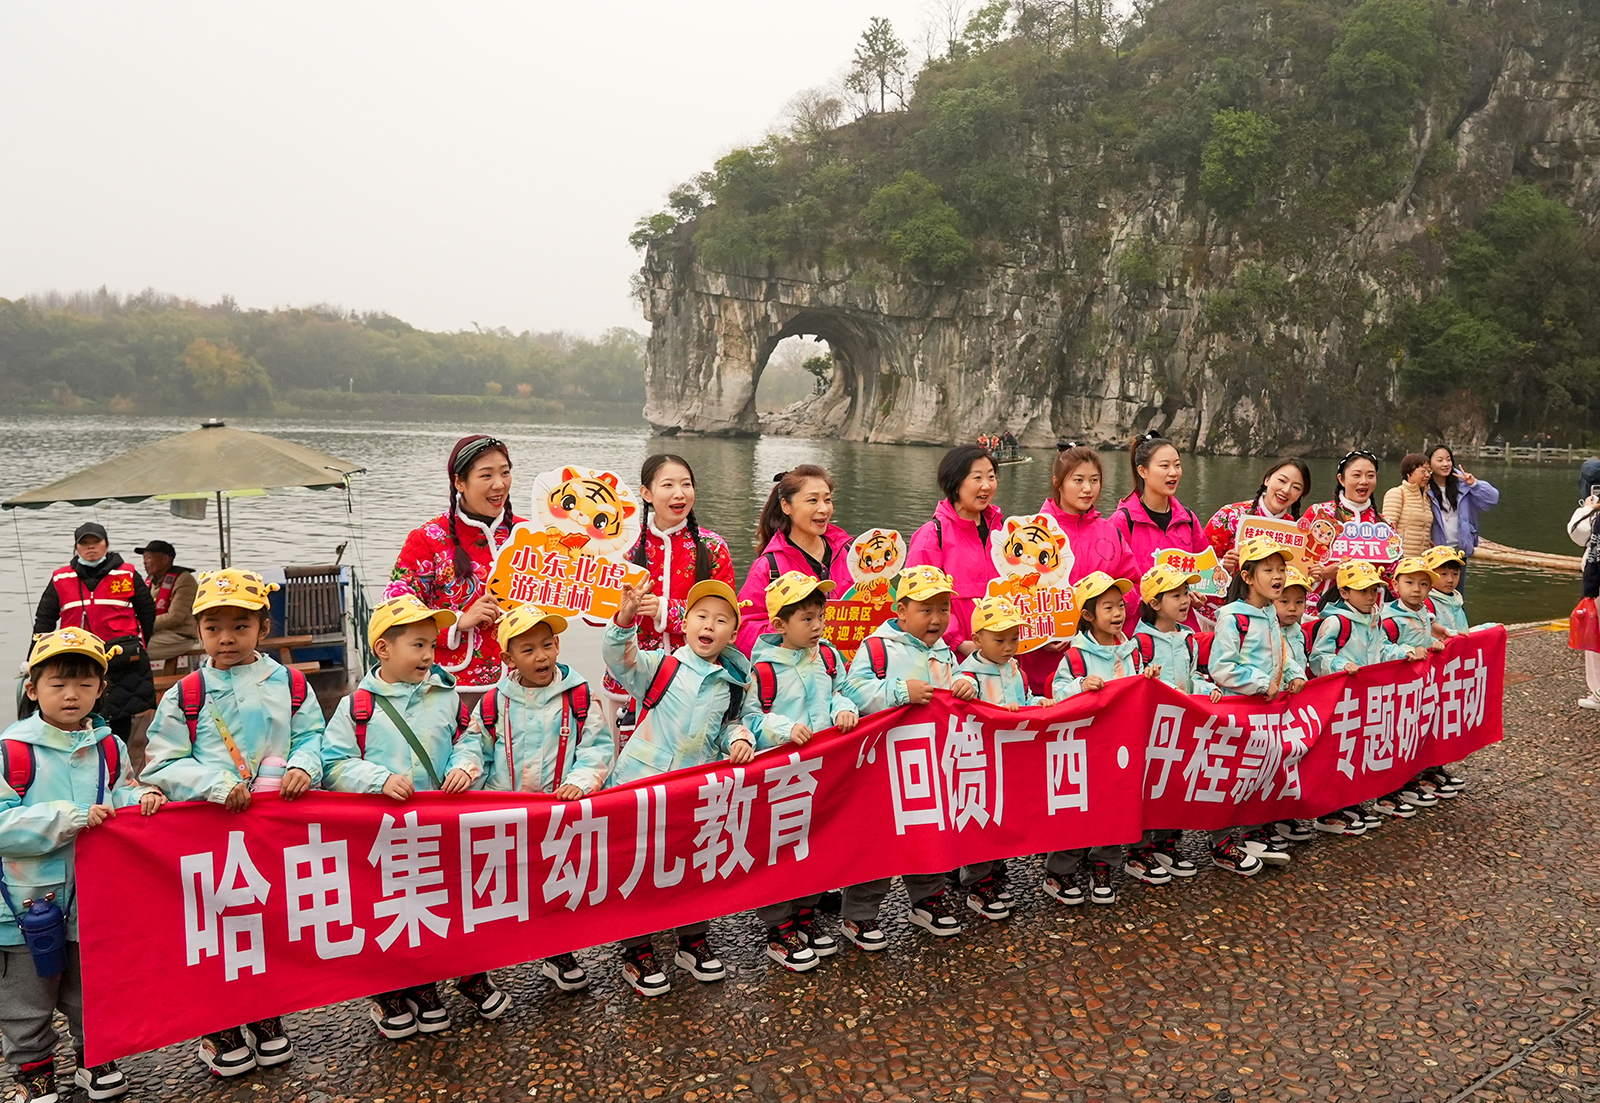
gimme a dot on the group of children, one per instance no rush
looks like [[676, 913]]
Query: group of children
[[245, 723]]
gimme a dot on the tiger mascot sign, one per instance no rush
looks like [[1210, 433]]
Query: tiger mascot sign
[[1034, 559], [569, 557], [876, 557]]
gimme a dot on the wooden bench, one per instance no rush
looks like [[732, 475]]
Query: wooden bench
[[168, 674]]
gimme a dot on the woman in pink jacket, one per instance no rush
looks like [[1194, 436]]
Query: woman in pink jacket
[[956, 540], [796, 533], [1075, 491], [1151, 519]]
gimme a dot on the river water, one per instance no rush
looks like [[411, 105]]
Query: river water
[[878, 484]]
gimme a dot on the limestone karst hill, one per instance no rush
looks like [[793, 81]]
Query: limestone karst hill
[[1260, 225]]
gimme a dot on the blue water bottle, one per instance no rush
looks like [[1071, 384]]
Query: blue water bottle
[[44, 929]]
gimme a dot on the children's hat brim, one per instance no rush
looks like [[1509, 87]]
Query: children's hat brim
[[71, 641], [791, 587], [524, 619], [711, 587]]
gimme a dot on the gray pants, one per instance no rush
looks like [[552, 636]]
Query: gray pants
[[1064, 863], [774, 914], [682, 932], [861, 902], [29, 1001]]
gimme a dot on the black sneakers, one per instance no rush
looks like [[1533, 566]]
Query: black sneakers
[[269, 1042], [1142, 865], [1101, 890], [481, 992], [864, 934], [1264, 847], [821, 942], [105, 1081], [933, 914], [226, 1054], [1395, 805], [695, 955], [392, 1015], [428, 1008], [984, 898], [1063, 888], [1229, 855], [787, 946], [640, 970], [566, 972], [37, 1082]]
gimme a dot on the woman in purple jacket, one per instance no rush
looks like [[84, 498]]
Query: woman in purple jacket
[[796, 533], [1457, 497]]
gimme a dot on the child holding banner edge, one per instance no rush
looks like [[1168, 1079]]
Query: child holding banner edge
[[240, 723], [44, 805], [398, 733], [689, 707], [796, 690], [538, 732], [902, 663]]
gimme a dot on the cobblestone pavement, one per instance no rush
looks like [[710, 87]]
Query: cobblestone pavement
[[1441, 960]]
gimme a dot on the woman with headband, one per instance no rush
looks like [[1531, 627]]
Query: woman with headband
[[796, 533], [446, 562], [1356, 478], [1281, 497]]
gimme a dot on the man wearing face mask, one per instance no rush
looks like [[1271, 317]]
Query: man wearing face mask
[[98, 592]]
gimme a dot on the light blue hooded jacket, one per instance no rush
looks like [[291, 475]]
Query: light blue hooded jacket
[[253, 700], [1174, 653], [1414, 628], [39, 831], [429, 707], [998, 685], [1119, 660], [690, 727], [1245, 662], [1365, 642], [909, 660], [1450, 611], [806, 693], [527, 729]]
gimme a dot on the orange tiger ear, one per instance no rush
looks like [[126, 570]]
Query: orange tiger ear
[[568, 473], [609, 479], [629, 509], [1011, 525], [1061, 541]]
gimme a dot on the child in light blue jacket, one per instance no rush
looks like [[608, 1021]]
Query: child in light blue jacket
[[537, 731], [902, 663], [1167, 648], [1098, 654], [47, 798], [994, 673], [1449, 611], [796, 690], [1409, 620], [1250, 654], [689, 707], [399, 733], [242, 722]]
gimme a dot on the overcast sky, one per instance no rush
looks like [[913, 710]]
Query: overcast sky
[[449, 163]]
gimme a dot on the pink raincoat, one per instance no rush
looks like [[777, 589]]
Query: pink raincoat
[[779, 557], [953, 545], [1144, 538]]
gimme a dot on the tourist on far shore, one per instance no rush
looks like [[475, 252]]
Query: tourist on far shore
[[1406, 506], [1151, 519], [956, 539], [1457, 498], [796, 533]]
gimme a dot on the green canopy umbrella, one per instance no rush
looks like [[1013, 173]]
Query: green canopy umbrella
[[212, 461]]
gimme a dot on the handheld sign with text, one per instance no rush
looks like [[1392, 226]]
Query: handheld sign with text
[[569, 557], [1374, 541], [876, 556], [1213, 579], [1034, 559], [1288, 535]]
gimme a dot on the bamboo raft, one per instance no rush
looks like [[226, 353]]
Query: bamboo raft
[[1490, 552]]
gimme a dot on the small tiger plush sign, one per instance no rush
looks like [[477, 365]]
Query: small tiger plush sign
[[1034, 558]]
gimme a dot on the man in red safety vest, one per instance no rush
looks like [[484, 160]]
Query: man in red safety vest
[[98, 591]]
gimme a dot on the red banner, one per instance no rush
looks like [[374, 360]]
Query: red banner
[[296, 905]]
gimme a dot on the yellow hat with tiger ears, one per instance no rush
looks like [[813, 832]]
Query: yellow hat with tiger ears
[[71, 641], [1415, 564], [1294, 576], [240, 589], [996, 614], [405, 609], [1162, 578], [1092, 585], [1357, 574], [793, 586], [525, 618], [1443, 555], [1257, 548], [711, 587], [922, 583]]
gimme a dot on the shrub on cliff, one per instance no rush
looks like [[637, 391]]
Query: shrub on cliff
[[920, 230]]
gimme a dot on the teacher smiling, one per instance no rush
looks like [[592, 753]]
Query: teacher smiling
[[446, 562]]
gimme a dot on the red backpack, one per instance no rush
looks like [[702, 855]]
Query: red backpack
[[19, 763], [764, 676], [361, 708], [192, 696]]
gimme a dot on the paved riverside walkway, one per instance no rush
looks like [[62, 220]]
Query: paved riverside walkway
[[1441, 960]]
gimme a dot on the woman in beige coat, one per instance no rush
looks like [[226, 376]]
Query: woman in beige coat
[[1407, 509]]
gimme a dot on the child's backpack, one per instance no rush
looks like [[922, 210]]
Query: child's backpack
[[764, 676], [1391, 628], [362, 705], [877, 656], [1144, 646], [19, 764], [575, 704], [1342, 631], [659, 685], [1202, 650], [192, 696], [1308, 628]]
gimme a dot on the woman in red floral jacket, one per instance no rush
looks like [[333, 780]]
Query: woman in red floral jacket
[[446, 562], [675, 550]]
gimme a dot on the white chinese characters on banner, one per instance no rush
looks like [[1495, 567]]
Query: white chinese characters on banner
[[319, 898], [240, 937], [411, 874], [494, 866], [571, 874]]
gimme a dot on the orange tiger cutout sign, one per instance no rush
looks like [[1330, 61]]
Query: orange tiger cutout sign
[[876, 556], [1034, 558], [569, 557]]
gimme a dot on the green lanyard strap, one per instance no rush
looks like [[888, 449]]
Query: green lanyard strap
[[411, 737]]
